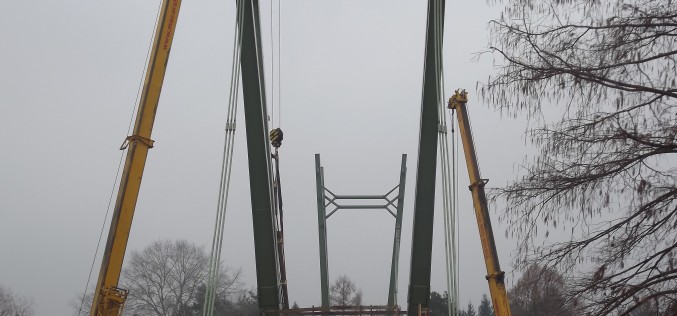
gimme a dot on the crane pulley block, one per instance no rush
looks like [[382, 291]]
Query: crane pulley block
[[276, 137], [459, 97]]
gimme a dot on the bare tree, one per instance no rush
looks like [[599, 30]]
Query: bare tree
[[648, 308], [606, 168], [166, 277], [246, 304], [540, 291], [343, 292], [12, 304], [82, 304]]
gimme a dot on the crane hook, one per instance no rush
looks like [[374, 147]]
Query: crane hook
[[276, 137]]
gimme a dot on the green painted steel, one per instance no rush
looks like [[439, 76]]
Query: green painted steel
[[424, 201], [258, 149], [322, 227], [394, 266], [325, 198]]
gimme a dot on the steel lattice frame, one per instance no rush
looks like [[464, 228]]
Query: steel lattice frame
[[326, 198]]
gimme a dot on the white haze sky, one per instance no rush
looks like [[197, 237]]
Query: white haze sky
[[351, 90]]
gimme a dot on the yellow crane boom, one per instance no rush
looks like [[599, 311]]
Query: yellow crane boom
[[495, 276], [108, 298]]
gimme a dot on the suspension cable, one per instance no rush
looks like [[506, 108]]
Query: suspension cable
[[226, 167], [448, 184], [279, 63], [276, 137], [453, 216], [272, 65], [275, 62]]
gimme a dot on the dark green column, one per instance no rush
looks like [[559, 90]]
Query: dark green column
[[424, 201], [395, 264], [322, 232], [258, 150]]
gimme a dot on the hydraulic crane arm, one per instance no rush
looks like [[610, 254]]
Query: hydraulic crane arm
[[108, 298], [495, 276]]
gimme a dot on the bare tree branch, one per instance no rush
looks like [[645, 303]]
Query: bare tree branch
[[606, 169]]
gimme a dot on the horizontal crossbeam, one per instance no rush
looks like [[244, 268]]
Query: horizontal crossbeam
[[359, 197], [332, 199]]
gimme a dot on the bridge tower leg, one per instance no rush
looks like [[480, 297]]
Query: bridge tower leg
[[322, 228], [395, 264], [424, 201], [260, 170]]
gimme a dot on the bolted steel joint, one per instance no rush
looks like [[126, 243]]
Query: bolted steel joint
[[499, 276]]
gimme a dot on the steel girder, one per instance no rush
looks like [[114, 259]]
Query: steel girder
[[424, 201], [258, 150]]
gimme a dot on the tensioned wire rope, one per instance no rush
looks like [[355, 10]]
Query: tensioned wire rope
[[122, 156], [276, 120], [455, 233], [272, 65], [279, 63], [449, 187], [226, 167]]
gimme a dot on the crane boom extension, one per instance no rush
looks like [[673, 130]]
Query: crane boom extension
[[495, 276], [108, 298]]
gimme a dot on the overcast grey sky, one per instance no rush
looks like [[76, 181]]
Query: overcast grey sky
[[351, 90]]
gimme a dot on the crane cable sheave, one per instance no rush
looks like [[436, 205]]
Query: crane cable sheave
[[459, 97]]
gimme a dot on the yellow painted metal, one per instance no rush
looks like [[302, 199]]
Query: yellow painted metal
[[495, 276], [108, 298]]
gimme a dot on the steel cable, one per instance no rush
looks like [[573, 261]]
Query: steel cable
[[448, 184], [272, 65], [279, 64], [226, 168]]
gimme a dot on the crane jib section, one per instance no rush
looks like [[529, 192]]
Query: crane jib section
[[108, 298], [495, 276]]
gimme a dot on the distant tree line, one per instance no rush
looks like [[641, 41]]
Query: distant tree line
[[12, 304], [540, 291], [169, 278], [439, 307]]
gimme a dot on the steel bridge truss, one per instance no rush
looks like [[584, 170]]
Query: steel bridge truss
[[392, 201]]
